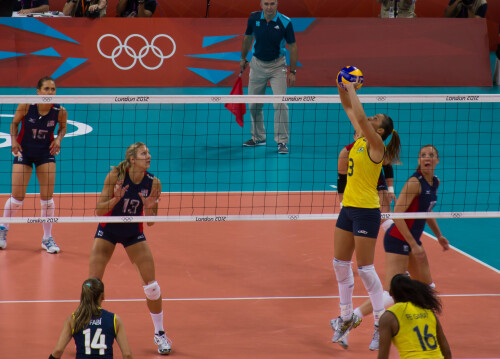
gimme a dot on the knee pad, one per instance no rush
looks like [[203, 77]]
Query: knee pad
[[13, 204], [343, 271], [388, 300], [152, 291], [47, 204], [48, 207], [370, 278]]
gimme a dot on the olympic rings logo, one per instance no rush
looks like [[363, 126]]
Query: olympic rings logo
[[133, 54]]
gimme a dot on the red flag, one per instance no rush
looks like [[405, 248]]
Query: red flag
[[237, 109]]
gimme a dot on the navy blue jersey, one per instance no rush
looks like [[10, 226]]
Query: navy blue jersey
[[422, 203], [37, 131], [96, 341], [270, 37], [130, 205]]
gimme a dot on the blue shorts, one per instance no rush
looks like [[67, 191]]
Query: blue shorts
[[114, 238], [396, 245], [37, 161], [362, 222]]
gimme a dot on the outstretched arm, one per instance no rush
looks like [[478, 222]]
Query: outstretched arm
[[356, 113]]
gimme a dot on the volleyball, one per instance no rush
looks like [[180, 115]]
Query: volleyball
[[350, 74]]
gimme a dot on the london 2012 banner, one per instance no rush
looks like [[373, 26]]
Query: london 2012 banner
[[183, 52]]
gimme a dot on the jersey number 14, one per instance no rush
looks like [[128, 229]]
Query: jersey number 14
[[98, 341]]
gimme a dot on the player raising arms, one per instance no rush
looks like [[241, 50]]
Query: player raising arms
[[128, 191], [93, 328], [411, 323], [35, 145], [359, 219]]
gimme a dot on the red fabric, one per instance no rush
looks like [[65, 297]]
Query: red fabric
[[237, 109]]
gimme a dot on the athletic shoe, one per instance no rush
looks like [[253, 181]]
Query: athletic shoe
[[282, 148], [3, 237], [50, 246], [342, 328], [252, 143], [343, 342], [375, 339], [164, 343]]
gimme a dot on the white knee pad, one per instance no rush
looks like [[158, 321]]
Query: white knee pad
[[369, 277], [13, 204], [343, 272], [152, 291], [388, 300], [48, 207]]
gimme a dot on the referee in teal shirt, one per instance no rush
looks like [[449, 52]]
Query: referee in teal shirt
[[271, 31]]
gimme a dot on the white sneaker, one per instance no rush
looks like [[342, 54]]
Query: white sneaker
[[3, 237], [341, 328], [50, 246], [343, 342], [164, 343], [375, 339]]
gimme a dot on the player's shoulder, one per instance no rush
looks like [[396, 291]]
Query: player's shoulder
[[256, 15], [285, 20]]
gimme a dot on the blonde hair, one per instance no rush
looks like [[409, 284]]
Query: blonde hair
[[89, 308], [425, 146], [125, 164]]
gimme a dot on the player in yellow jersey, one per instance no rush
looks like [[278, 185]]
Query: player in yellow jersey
[[359, 219], [411, 323]]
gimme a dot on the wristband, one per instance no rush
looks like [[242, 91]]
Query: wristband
[[293, 72], [244, 60], [52, 357], [390, 189]]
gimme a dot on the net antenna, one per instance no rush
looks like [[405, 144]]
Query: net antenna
[[207, 175]]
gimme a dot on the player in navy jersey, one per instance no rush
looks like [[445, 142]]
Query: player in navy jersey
[[404, 251], [129, 190], [35, 145], [93, 328]]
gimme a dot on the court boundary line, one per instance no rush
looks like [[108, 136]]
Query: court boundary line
[[466, 255]]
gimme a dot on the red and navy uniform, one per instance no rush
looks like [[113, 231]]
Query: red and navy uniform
[[129, 205], [36, 135], [424, 202], [96, 341]]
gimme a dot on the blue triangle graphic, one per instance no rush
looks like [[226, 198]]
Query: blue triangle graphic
[[33, 25], [214, 76], [49, 51], [68, 65], [211, 40], [231, 56], [7, 54], [302, 23]]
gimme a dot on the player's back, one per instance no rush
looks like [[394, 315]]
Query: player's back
[[417, 336], [96, 341]]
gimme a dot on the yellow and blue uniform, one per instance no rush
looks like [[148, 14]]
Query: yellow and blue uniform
[[416, 337], [360, 213], [96, 341], [362, 178]]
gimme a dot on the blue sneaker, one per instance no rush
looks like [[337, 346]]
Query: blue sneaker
[[50, 246], [3, 237]]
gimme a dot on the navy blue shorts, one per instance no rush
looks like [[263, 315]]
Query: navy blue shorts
[[37, 161], [113, 238], [362, 222], [396, 245]]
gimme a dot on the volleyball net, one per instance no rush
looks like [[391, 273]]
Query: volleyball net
[[207, 175]]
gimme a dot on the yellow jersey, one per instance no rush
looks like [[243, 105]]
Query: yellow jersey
[[362, 178], [416, 337]]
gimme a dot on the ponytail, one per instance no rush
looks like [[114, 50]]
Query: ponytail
[[393, 149], [92, 290], [125, 164]]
